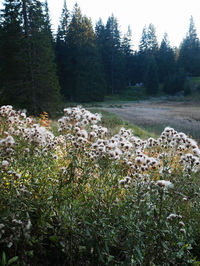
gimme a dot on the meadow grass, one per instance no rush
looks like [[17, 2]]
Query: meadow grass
[[113, 122]]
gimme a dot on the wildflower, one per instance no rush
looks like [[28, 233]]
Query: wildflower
[[4, 164], [164, 183], [18, 176], [172, 216], [181, 224], [28, 226], [122, 182], [182, 230], [1, 226], [17, 221], [9, 244]]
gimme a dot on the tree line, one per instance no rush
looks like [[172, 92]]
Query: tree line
[[82, 63]]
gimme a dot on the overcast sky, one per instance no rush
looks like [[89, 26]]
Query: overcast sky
[[171, 16]]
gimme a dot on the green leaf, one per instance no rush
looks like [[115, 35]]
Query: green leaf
[[12, 260], [3, 260]]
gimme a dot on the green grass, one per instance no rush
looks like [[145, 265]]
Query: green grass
[[113, 122], [116, 100], [195, 80]]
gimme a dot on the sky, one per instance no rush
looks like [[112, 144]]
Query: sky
[[171, 16]]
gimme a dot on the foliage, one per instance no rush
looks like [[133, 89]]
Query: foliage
[[190, 51], [83, 64], [174, 82], [165, 59], [86, 197], [28, 72], [85, 75], [151, 79]]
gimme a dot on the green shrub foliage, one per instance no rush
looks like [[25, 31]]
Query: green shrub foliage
[[77, 195]]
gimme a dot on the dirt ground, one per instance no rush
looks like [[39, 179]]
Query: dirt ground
[[155, 115]]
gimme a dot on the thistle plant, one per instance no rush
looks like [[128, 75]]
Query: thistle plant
[[81, 196]]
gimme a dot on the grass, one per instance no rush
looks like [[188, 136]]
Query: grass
[[113, 122]]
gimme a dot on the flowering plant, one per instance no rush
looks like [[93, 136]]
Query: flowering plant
[[84, 194]]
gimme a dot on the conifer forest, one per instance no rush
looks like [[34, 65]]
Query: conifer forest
[[83, 62]]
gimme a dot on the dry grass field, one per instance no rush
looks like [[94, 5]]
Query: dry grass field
[[155, 115]]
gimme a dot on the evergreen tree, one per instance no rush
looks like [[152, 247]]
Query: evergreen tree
[[148, 43], [113, 59], [47, 21], [41, 71], [148, 47], [189, 56], [85, 70], [142, 57], [175, 82], [152, 40], [28, 72], [128, 57], [64, 24], [165, 59], [151, 79], [12, 68], [1, 59], [62, 52], [143, 46]]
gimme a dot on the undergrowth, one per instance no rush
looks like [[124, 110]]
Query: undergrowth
[[82, 196]]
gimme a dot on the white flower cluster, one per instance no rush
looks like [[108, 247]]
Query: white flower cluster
[[79, 129], [190, 162], [77, 117], [23, 127], [177, 218]]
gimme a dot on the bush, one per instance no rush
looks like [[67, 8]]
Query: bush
[[83, 197]]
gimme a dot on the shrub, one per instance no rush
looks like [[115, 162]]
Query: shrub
[[83, 197]]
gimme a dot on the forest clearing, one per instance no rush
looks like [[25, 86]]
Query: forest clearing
[[99, 164], [156, 115]]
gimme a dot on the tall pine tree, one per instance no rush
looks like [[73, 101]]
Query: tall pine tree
[[12, 70], [62, 53], [29, 72], [112, 57], [151, 79], [86, 78], [165, 59], [41, 72], [189, 55]]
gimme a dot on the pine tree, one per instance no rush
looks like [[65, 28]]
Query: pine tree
[[128, 57], [151, 80], [148, 48], [148, 43], [42, 77], [1, 59], [189, 55], [142, 57], [143, 46], [62, 52], [175, 82], [152, 40], [47, 21], [28, 71], [165, 59], [12, 68], [113, 58], [85, 71]]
